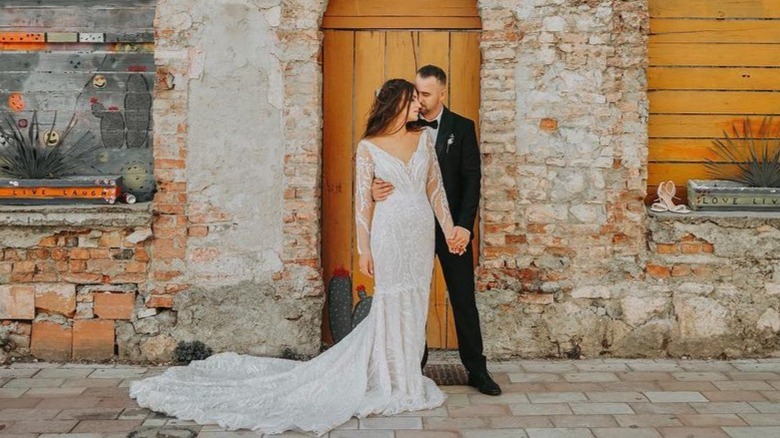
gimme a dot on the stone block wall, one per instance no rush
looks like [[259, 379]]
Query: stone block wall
[[70, 278]]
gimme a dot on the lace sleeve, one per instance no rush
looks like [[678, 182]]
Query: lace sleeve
[[364, 203], [435, 189]]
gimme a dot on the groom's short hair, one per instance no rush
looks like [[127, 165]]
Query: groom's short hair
[[429, 70]]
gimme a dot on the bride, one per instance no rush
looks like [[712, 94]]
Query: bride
[[375, 370]]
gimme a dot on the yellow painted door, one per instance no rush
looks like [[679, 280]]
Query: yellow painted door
[[355, 64]]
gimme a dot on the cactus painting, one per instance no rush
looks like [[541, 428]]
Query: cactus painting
[[363, 306], [340, 304], [138, 110]]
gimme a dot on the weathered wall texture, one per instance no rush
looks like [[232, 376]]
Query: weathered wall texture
[[571, 263], [242, 120]]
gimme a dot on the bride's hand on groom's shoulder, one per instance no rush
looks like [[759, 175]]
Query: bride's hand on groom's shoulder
[[366, 264]]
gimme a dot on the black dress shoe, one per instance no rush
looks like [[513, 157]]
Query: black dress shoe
[[484, 383]]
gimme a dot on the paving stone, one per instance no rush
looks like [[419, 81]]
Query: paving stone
[[105, 426], [638, 432], [12, 392], [391, 423], [441, 411], [771, 367], [647, 420], [703, 376], [534, 377], [636, 376], [18, 372], [548, 367], [724, 408], [92, 383], [447, 423], [68, 403], [569, 432], [33, 383], [662, 408], [674, 396], [591, 377], [693, 432], [761, 419], [706, 365], [709, 420], [19, 403], [748, 396], [488, 433], [89, 414], [743, 375], [55, 392], [766, 407], [23, 414], [583, 421], [117, 373], [616, 396], [478, 411], [42, 426], [630, 386], [428, 434], [601, 366], [569, 387], [341, 434], [753, 432], [64, 373], [540, 409], [520, 421], [655, 366], [601, 408], [687, 386], [747, 385], [556, 397]]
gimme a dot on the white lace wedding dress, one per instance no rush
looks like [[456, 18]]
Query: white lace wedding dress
[[373, 370]]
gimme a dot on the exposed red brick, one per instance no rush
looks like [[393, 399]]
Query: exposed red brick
[[24, 267], [110, 239], [515, 240], [11, 254], [535, 298], [666, 248], [56, 298], [93, 339], [135, 267], [198, 231], [83, 277], [114, 305], [78, 265], [681, 270], [79, 254], [548, 125], [60, 254], [141, 255], [51, 341], [48, 241], [99, 253], [6, 268], [707, 247], [658, 271], [162, 301], [165, 275], [38, 254], [17, 301], [690, 248]]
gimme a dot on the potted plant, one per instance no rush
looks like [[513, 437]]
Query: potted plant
[[748, 174], [40, 167]]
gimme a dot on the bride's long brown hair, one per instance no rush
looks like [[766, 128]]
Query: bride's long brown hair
[[395, 97]]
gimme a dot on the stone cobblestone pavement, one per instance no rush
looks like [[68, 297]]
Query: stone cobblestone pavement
[[601, 398]]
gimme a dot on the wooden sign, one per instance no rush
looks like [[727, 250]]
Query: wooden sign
[[90, 190]]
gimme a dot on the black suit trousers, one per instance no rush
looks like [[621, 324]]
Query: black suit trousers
[[458, 273]]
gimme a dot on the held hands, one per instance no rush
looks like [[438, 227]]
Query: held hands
[[458, 240], [366, 264], [381, 189]]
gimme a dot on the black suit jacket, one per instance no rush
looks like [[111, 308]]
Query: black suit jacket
[[458, 154]]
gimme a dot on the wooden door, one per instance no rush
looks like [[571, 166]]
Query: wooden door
[[355, 64]]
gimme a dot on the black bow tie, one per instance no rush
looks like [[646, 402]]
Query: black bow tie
[[433, 123]]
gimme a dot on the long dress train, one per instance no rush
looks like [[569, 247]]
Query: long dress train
[[373, 370]]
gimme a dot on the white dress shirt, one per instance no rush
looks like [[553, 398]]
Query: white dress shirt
[[435, 132]]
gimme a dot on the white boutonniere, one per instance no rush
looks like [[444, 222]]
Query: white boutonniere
[[450, 140]]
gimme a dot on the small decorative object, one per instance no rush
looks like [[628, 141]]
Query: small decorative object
[[186, 352], [16, 102], [340, 304], [363, 306], [748, 175], [138, 180], [50, 138], [450, 141], [665, 192], [99, 81]]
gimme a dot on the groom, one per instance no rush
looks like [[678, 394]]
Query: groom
[[458, 154]]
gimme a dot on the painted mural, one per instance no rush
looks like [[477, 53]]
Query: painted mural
[[94, 63]]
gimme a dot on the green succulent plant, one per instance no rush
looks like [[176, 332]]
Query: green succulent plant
[[756, 154], [24, 156]]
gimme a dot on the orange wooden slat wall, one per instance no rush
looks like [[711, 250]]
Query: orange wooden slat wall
[[711, 64]]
